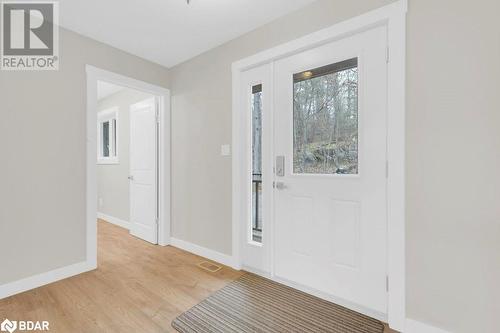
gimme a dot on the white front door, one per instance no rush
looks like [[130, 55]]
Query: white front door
[[143, 171], [330, 201]]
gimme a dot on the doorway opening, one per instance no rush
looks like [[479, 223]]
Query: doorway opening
[[128, 157]]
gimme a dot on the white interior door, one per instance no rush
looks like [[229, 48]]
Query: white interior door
[[143, 171], [330, 144]]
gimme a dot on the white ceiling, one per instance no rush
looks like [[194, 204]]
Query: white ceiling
[[169, 32], [105, 89]]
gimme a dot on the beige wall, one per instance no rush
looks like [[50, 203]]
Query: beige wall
[[453, 133], [453, 159], [43, 151], [112, 182]]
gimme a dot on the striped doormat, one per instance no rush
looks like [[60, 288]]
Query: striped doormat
[[255, 304]]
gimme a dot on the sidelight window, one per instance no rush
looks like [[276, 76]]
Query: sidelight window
[[257, 163]]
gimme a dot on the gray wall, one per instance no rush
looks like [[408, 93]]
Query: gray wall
[[112, 181], [453, 134], [43, 151]]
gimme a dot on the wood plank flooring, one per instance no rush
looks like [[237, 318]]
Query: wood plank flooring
[[138, 287]]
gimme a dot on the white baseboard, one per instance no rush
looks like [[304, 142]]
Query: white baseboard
[[114, 220], [413, 326], [203, 252], [42, 279]]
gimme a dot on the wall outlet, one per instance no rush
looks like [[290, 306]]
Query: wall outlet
[[225, 150]]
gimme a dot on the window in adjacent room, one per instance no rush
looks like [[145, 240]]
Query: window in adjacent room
[[107, 133]]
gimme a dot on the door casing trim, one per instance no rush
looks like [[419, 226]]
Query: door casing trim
[[95, 74], [392, 16]]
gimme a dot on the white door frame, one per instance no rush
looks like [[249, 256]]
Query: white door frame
[[392, 16], [95, 74]]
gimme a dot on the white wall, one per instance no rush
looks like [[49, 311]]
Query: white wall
[[43, 152], [112, 182], [453, 133]]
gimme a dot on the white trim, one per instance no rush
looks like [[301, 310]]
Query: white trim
[[394, 17], [42, 279], [237, 212], [413, 326], [201, 251], [340, 30], [114, 220], [95, 74], [164, 153], [108, 161], [396, 151]]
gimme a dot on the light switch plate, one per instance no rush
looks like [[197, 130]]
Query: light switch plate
[[225, 150]]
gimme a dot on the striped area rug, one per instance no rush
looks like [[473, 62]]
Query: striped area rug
[[255, 304]]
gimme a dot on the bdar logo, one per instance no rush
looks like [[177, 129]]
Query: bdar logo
[[24, 325], [8, 326]]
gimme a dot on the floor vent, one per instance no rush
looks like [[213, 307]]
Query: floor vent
[[209, 266]]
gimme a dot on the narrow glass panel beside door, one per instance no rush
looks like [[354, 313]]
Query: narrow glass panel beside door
[[325, 119], [257, 163]]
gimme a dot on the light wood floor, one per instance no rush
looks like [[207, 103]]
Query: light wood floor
[[138, 287]]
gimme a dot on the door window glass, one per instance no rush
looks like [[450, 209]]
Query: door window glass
[[325, 119]]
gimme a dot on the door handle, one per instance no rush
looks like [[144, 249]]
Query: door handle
[[130, 177], [279, 185]]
